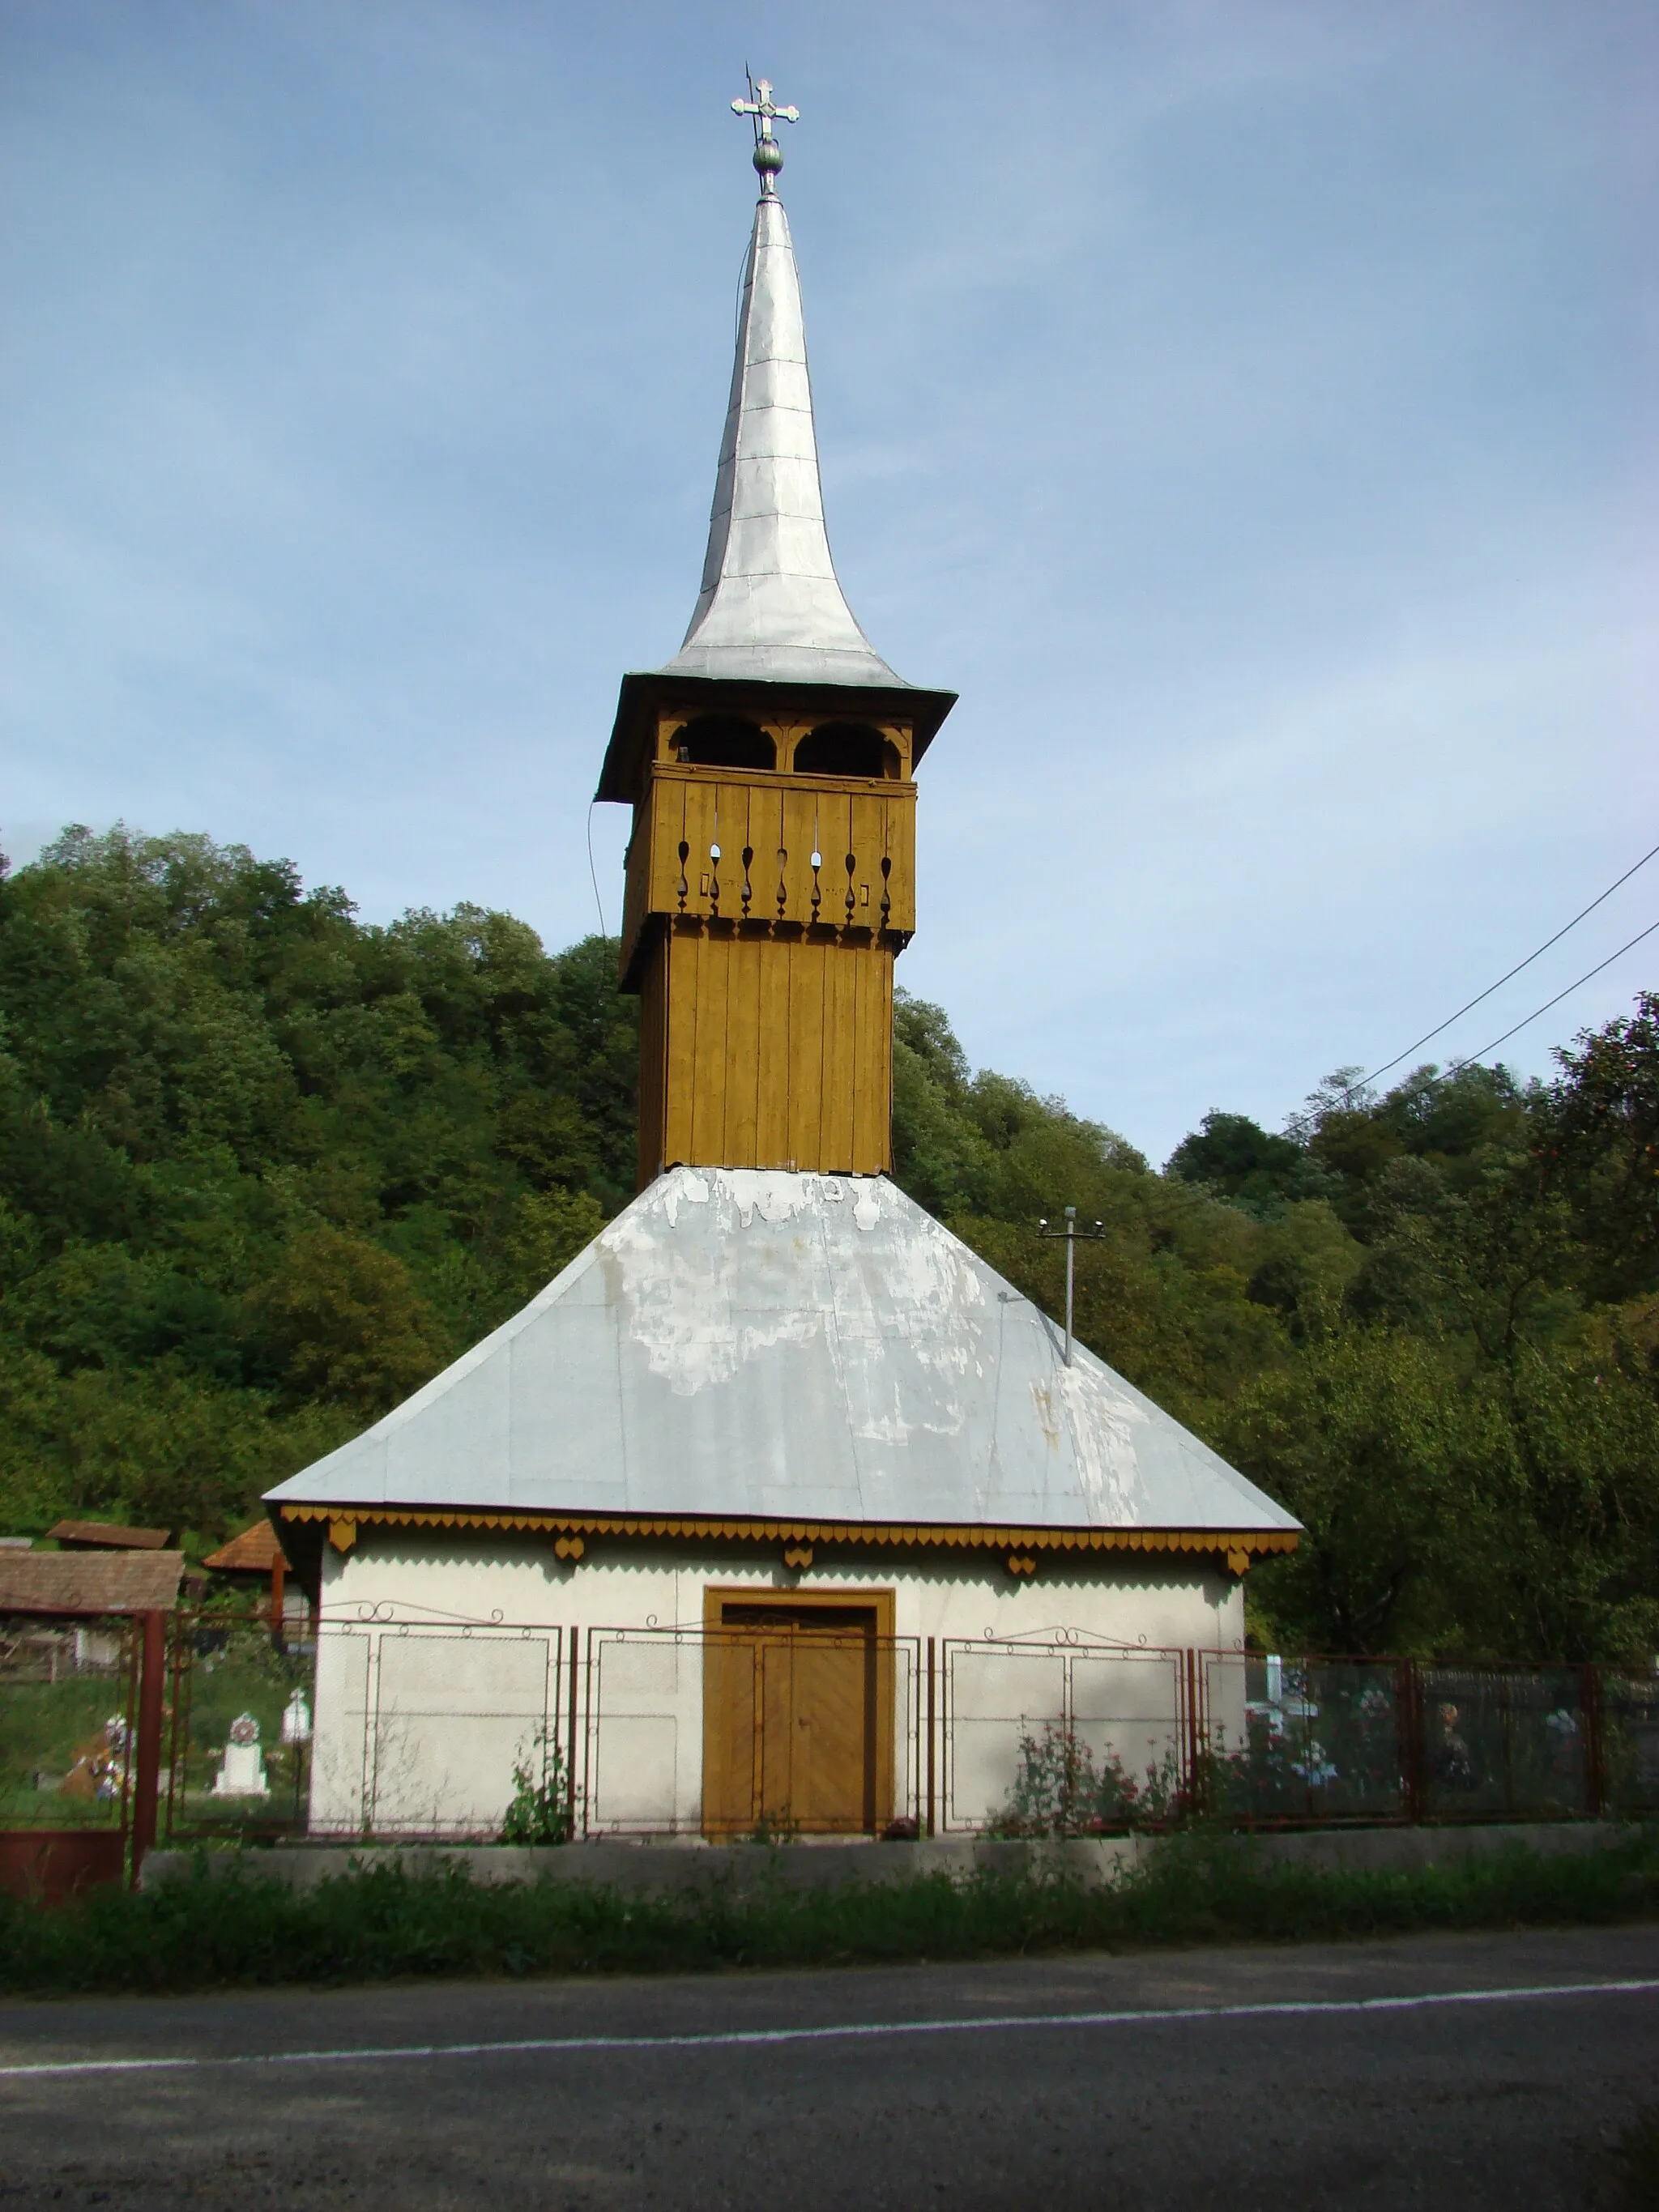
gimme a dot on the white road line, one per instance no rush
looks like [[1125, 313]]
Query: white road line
[[741, 2037]]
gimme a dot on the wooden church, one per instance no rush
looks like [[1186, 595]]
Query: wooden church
[[728, 1510]]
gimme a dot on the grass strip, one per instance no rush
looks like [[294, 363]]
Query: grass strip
[[232, 1928]]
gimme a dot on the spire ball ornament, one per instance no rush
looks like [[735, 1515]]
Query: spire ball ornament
[[768, 154]]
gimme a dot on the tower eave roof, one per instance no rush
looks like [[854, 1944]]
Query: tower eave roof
[[644, 690]]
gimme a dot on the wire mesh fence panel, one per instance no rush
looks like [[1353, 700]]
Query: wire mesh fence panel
[[455, 1711], [1500, 1740], [907, 1692], [1125, 1712], [342, 1764], [1303, 1740], [68, 1697], [996, 1700], [641, 1764], [240, 1727], [407, 1730], [1629, 1733]]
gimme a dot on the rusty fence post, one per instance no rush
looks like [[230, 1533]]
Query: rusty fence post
[[181, 1683], [1194, 1761], [147, 1774], [1409, 1706], [932, 1738], [1595, 1770]]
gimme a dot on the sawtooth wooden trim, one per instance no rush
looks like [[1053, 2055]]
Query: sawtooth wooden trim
[[1241, 1545]]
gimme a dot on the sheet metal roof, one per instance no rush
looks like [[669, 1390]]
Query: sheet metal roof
[[770, 606], [781, 1345]]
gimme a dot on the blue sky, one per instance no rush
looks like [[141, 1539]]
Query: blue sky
[[1247, 407]]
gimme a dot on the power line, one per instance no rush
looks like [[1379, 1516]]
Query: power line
[[1555, 1001], [1514, 972], [592, 870]]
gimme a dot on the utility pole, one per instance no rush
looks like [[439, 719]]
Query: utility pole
[[1071, 1232]]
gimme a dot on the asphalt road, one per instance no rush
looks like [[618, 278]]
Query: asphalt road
[[1242, 2078]]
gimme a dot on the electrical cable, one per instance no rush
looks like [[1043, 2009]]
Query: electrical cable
[[1513, 972], [1548, 1003], [593, 870]]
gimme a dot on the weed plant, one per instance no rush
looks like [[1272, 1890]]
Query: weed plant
[[213, 1928], [543, 1809]]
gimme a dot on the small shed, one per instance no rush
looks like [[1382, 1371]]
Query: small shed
[[255, 1559], [107, 1536], [89, 1583]]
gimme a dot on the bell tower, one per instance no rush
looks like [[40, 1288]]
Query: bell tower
[[770, 874]]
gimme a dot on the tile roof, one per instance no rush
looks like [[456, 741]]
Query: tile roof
[[256, 1551], [89, 1581]]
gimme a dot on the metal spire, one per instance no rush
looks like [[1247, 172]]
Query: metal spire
[[770, 607]]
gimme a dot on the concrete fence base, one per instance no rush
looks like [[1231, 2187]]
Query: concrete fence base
[[675, 1867]]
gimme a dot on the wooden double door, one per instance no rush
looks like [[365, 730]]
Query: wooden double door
[[798, 1713]]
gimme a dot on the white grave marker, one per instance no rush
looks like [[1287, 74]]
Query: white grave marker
[[242, 1770]]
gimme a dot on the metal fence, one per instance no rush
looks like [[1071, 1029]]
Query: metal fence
[[1347, 1740], [71, 1761], [238, 1725], [387, 1728], [68, 1710], [432, 1729]]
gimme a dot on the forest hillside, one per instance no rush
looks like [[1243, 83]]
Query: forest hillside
[[263, 1168]]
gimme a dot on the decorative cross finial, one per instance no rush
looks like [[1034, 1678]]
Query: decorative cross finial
[[768, 154]]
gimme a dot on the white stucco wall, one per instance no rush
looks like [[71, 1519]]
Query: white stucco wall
[[441, 1653]]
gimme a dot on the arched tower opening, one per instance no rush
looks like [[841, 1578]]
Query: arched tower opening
[[847, 748], [724, 741]]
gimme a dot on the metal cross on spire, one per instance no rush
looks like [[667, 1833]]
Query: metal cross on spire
[[768, 154]]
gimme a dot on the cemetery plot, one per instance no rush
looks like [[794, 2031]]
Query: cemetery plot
[[1501, 1742], [68, 1699], [240, 1727], [1629, 1742], [1305, 1739]]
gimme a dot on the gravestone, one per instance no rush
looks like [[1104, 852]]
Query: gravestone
[[242, 1769]]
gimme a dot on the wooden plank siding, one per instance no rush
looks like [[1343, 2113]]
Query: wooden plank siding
[[766, 984], [783, 823], [767, 1049]]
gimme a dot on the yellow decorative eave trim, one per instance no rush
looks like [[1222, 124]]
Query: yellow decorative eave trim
[[1239, 1546]]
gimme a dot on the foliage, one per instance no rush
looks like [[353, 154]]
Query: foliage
[[542, 1810], [223, 1926], [1427, 1322], [1059, 1790], [265, 1168]]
